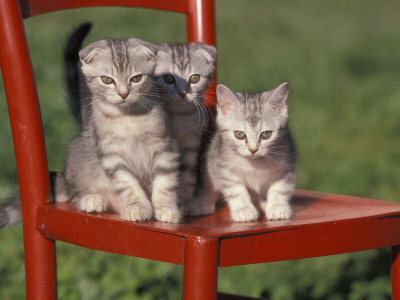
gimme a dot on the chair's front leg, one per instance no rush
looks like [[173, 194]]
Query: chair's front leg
[[200, 269], [395, 272]]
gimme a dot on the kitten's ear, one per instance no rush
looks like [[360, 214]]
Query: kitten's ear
[[148, 53], [209, 53], [163, 47], [226, 99], [142, 48], [162, 51], [161, 55], [92, 51], [278, 98]]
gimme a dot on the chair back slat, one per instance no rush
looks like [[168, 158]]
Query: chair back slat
[[32, 8]]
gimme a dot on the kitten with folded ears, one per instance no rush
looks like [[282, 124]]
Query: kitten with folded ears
[[126, 158]]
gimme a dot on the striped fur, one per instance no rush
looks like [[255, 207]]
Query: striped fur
[[178, 68], [10, 213], [251, 159], [125, 159], [187, 112]]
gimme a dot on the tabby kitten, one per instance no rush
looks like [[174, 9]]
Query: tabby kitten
[[125, 159], [251, 158], [184, 72]]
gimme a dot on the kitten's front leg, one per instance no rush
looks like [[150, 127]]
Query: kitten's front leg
[[204, 200], [165, 188], [239, 201], [93, 203], [189, 147], [135, 204], [278, 200]]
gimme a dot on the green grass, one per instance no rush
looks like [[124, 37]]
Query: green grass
[[342, 61]]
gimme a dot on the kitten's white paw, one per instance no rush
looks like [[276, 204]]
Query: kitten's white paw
[[167, 214], [93, 203], [279, 212], [245, 214], [137, 212], [193, 207]]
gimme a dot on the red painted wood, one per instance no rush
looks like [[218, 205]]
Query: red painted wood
[[323, 224], [107, 232], [201, 269], [200, 24], [29, 150], [395, 272], [32, 8], [332, 221], [310, 241]]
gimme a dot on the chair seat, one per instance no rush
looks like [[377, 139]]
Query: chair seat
[[323, 224]]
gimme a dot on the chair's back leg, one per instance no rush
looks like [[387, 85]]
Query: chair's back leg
[[200, 23], [200, 26], [395, 272], [27, 131]]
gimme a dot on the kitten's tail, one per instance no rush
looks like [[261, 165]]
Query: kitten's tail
[[10, 213], [71, 68]]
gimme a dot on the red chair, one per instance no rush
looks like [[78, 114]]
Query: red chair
[[323, 224]]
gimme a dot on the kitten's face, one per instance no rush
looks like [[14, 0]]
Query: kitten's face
[[252, 123], [118, 72], [184, 71]]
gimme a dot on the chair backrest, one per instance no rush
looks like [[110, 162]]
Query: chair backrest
[[21, 92]]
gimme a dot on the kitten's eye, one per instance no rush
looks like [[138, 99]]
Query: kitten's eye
[[194, 78], [265, 135], [169, 79], [240, 135], [136, 78], [107, 80]]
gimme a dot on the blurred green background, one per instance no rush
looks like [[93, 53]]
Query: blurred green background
[[342, 60]]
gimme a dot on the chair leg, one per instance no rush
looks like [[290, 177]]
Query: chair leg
[[200, 269], [395, 272], [40, 265]]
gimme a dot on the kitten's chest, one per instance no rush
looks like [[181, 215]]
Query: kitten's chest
[[131, 126], [188, 124], [257, 175], [135, 139]]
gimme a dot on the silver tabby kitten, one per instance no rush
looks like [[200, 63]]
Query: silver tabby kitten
[[184, 72], [125, 159], [252, 157]]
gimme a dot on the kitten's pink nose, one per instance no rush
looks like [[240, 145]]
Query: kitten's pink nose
[[253, 151], [182, 93], [123, 96]]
